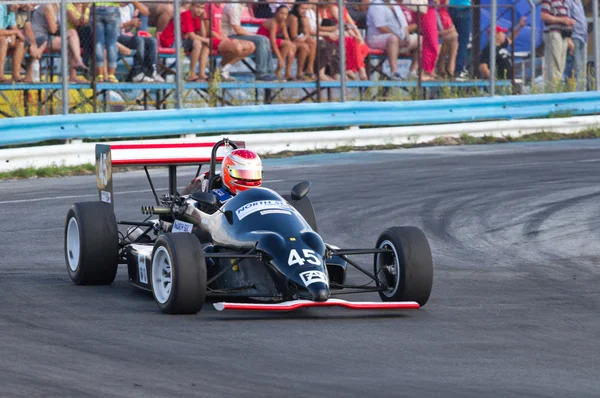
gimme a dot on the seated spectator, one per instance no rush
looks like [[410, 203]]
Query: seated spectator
[[35, 52], [160, 14], [328, 60], [449, 47], [231, 50], [194, 44], [11, 38], [387, 30], [504, 68], [275, 29], [232, 28], [358, 11], [306, 45], [144, 67], [78, 17]]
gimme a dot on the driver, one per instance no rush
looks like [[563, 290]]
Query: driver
[[241, 170]]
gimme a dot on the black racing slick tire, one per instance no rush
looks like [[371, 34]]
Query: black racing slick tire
[[91, 243], [407, 270], [178, 274], [305, 208]]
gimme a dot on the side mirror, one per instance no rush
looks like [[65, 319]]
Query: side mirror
[[300, 190], [206, 198]]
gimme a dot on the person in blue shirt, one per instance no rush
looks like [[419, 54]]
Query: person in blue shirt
[[460, 12], [11, 38]]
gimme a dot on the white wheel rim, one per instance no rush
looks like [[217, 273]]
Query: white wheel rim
[[73, 244], [386, 244], [162, 276]]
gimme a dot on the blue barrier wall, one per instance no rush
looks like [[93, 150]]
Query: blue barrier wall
[[298, 116]]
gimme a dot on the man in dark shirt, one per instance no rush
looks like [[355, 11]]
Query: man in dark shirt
[[504, 68]]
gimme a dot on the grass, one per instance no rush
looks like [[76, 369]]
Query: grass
[[462, 139]]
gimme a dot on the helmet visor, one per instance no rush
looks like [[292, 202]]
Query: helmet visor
[[248, 175]]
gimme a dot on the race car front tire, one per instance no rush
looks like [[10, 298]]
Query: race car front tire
[[91, 243], [178, 276], [407, 270]]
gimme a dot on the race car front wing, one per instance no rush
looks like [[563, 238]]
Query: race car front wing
[[296, 304]]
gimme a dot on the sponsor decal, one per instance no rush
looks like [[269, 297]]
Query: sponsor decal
[[259, 205], [262, 213], [309, 277], [142, 273], [103, 170], [105, 197], [181, 226], [222, 195]]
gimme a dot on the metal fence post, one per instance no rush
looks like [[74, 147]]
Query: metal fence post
[[341, 24], [178, 60], [596, 44], [64, 61], [492, 45], [533, 41]]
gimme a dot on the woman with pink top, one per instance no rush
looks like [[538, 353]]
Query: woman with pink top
[[275, 29], [429, 28], [449, 36]]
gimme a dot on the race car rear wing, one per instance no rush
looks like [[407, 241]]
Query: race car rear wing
[[169, 155]]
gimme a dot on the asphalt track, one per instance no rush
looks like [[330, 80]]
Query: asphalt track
[[514, 310]]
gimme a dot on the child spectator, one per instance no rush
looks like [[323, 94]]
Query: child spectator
[[504, 67], [194, 44], [144, 67], [275, 29], [306, 45], [232, 50], [11, 37]]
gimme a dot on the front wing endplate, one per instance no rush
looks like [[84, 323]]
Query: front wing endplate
[[296, 304]]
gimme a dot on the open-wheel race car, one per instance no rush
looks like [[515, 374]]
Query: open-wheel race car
[[258, 251]]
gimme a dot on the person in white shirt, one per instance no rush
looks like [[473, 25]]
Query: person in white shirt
[[387, 30], [146, 49]]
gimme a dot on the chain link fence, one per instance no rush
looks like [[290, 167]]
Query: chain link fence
[[82, 57]]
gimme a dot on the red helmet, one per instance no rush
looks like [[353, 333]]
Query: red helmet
[[241, 170]]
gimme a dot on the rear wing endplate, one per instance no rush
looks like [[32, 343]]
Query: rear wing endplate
[[169, 155]]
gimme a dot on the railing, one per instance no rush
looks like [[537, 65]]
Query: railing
[[301, 116], [57, 95]]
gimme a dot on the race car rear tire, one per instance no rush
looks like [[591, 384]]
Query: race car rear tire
[[91, 243], [410, 261], [304, 207], [178, 276]]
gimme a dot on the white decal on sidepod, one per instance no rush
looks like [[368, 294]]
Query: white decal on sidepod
[[309, 277], [181, 226], [253, 207], [143, 275], [105, 197]]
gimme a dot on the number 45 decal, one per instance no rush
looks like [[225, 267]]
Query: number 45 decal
[[309, 256]]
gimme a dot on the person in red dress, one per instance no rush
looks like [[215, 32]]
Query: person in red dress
[[275, 29], [449, 36]]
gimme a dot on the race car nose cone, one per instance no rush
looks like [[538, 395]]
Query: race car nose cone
[[320, 294]]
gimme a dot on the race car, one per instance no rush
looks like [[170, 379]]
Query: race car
[[260, 250]]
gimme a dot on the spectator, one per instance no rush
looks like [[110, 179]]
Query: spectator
[[194, 44], [430, 47], [78, 17], [578, 44], [11, 37], [306, 45], [232, 28], [232, 51], [460, 12], [35, 52], [45, 24], [275, 29], [504, 67], [160, 15], [356, 48], [144, 67], [328, 60], [449, 46], [358, 11], [107, 24], [557, 30], [387, 30]]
